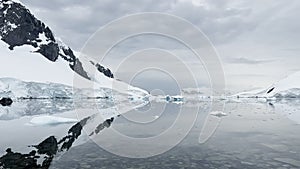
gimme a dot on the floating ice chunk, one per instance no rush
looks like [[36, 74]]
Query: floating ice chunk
[[50, 120], [176, 98], [218, 113]]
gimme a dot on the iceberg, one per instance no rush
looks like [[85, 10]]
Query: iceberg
[[218, 113], [50, 120]]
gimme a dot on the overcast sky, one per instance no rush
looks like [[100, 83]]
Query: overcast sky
[[257, 41]]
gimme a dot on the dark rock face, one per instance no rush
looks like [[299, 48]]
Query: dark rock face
[[6, 101], [68, 55], [19, 27], [76, 66], [106, 72], [270, 90], [50, 51]]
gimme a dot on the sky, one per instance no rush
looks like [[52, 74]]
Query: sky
[[257, 42]]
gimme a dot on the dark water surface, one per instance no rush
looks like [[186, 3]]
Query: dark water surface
[[249, 135]]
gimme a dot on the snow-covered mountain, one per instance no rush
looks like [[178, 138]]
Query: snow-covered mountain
[[288, 87], [19, 27], [31, 52]]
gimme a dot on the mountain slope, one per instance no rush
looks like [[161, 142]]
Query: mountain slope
[[288, 87], [21, 32], [19, 27]]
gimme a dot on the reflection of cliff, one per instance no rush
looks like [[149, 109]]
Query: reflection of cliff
[[47, 149], [100, 127], [73, 134]]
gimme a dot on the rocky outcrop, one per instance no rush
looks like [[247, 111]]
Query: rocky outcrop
[[6, 101], [103, 70], [19, 27], [50, 51]]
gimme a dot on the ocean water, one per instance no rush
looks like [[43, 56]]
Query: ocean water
[[247, 134]]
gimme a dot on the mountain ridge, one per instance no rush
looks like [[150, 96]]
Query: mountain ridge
[[19, 27]]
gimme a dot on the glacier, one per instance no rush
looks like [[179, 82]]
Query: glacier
[[50, 120], [18, 89], [36, 98]]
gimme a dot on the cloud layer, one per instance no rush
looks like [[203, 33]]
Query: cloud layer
[[259, 31]]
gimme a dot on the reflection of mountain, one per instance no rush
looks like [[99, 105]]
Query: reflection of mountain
[[101, 126], [42, 154], [20, 161], [47, 149], [73, 133]]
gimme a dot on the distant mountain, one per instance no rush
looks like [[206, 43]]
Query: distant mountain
[[288, 87]]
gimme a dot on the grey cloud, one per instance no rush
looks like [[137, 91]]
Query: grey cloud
[[243, 60], [291, 49], [252, 28], [74, 20], [217, 19], [223, 21]]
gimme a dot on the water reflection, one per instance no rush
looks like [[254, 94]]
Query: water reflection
[[251, 135], [31, 107], [45, 151]]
